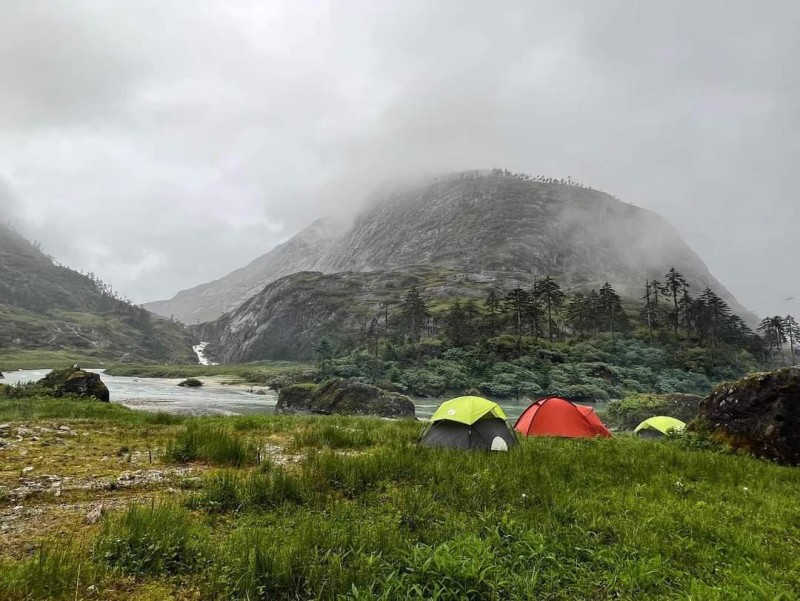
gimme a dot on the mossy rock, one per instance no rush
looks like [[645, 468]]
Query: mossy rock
[[74, 380], [191, 383], [759, 414], [344, 397]]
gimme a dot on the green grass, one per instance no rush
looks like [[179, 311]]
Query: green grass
[[152, 539], [40, 359], [54, 571], [35, 408], [256, 373], [215, 444], [360, 512]]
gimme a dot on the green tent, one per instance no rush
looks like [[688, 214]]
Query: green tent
[[467, 410], [469, 422], [658, 426]]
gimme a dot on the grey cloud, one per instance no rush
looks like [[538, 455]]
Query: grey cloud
[[197, 136]]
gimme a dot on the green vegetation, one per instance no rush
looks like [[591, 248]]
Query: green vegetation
[[261, 372], [215, 444], [532, 342], [351, 508], [629, 412], [47, 306]]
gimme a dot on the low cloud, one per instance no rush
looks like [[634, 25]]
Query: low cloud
[[188, 138]]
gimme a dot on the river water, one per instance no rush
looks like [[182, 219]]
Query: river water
[[215, 397]]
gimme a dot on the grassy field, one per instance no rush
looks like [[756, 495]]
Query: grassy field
[[249, 373], [38, 359], [276, 507]]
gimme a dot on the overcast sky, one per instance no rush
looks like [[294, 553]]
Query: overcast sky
[[162, 144]]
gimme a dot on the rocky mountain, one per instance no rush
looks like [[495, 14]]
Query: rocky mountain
[[48, 306], [481, 224], [206, 302], [286, 319]]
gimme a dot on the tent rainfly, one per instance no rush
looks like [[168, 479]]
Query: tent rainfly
[[554, 416], [469, 423], [658, 426]]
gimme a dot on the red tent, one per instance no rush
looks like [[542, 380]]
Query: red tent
[[554, 416]]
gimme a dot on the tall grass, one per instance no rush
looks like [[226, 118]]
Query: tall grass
[[231, 491], [152, 539], [210, 442], [55, 571]]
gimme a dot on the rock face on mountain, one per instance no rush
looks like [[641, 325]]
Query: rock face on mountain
[[287, 318], [759, 413], [480, 225], [344, 397], [47, 306], [206, 302]]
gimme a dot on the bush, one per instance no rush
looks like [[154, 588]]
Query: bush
[[629, 412]]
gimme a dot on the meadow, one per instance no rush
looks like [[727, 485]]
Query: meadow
[[279, 507]]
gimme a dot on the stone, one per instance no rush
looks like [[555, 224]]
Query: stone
[[94, 515], [344, 397], [74, 380], [759, 414], [191, 383]]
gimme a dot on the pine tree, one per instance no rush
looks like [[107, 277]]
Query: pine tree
[[611, 306], [325, 352], [648, 310], [675, 286], [492, 304], [579, 313], [793, 333], [456, 326], [549, 293], [518, 304], [415, 314]]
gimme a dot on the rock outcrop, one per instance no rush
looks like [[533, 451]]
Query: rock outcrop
[[191, 383], [759, 414], [343, 397], [74, 380]]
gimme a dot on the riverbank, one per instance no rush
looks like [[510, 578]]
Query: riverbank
[[160, 507], [261, 372]]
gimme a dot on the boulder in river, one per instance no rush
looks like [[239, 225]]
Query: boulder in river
[[74, 380], [191, 383], [343, 397], [759, 413]]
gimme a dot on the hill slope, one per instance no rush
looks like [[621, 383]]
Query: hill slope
[[47, 306], [478, 225], [208, 301]]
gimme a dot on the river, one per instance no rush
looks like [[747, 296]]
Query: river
[[215, 397]]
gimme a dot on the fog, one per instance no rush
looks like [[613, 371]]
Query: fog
[[164, 144]]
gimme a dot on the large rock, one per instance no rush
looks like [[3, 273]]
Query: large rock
[[759, 413], [74, 380], [343, 397]]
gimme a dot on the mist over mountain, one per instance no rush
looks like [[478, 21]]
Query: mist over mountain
[[47, 306], [494, 225]]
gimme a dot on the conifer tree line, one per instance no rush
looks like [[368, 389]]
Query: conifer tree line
[[667, 311]]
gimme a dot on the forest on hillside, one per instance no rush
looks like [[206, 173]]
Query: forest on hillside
[[586, 345]]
